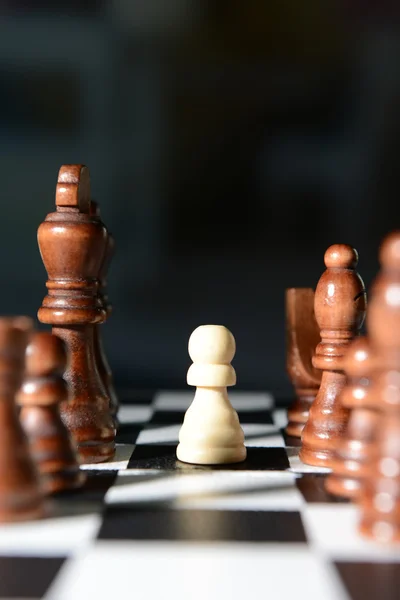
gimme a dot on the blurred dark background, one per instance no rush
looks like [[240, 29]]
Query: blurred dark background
[[229, 142]]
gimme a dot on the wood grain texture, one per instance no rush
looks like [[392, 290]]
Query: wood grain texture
[[302, 337], [72, 245], [21, 496], [355, 450], [340, 306], [380, 499], [40, 397]]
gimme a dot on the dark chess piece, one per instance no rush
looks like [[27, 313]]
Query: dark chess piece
[[72, 245], [340, 305], [40, 396], [302, 337], [380, 498], [21, 496], [101, 358], [355, 450]]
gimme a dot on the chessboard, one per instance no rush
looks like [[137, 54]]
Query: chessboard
[[148, 526]]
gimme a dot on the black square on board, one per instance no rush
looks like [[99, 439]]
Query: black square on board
[[128, 433], [263, 417], [91, 494], [167, 417], [27, 576], [163, 457], [135, 523], [369, 581], [97, 484]]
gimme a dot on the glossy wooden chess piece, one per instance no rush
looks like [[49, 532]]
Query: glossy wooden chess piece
[[101, 358], [340, 305], [21, 496], [302, 337], [40, 396], [380, 499], [355, 450], [72, 244]]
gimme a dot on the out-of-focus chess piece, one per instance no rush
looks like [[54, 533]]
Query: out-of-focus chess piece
[[40, 396], [302, 337], [380, 498], [355, 450], [21, 496]]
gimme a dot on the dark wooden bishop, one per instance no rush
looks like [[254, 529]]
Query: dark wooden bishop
[[101, 358], [40, 396], [355, 450], [72, 245], [21, 496], [340, 304], [380, 500], [302, 337]]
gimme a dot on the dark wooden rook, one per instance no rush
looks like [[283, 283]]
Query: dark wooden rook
[[355, 450], [380, 498], [21, 496], [40, 397], [101, 358], [72, 244], [340, 305], [302, 337]]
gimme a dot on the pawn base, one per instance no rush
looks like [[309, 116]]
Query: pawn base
[[316, 458], [95, 452], [92, 429], [211, 456]]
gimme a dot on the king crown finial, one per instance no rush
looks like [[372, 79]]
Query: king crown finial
[[73, 188]]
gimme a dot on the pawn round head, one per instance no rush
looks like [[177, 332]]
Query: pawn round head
[[212, 344], [341, 256], [340, 299], [45, 355], [389, 253]]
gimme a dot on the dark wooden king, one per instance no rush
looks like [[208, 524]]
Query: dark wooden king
[[72, 244]]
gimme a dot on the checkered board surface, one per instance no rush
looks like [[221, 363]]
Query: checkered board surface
[[147, 526]]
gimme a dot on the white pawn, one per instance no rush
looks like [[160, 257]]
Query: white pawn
[[211, 432]]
